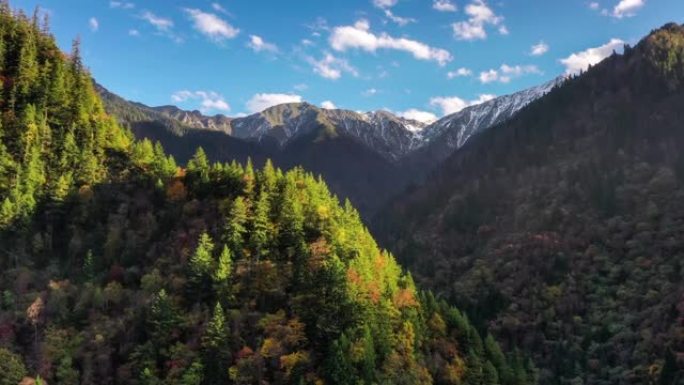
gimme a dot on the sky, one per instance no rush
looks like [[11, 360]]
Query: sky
[[421, 59]]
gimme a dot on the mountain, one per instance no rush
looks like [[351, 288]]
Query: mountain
[[561, 229], [118, 267], [366, 157], [451, 132]]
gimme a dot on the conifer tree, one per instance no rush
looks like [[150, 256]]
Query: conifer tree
[[222, 275], [235, 228], [260, 236], [201, 267], [216, 348]]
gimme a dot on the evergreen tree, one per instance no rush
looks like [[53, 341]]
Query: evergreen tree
[[222, 275], [162, 319], [235, 228], [260, 236], [201, 267], [216, 348]]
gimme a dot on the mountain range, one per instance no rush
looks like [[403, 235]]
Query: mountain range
[[366, 157]]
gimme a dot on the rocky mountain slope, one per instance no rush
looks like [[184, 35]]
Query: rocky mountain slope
[[379, 153], [561, 228]]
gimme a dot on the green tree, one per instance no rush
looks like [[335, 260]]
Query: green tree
[[222, 275], [262, 230], [12, 368], [236, 226], [201, 267], [162, 318], [216, 348]]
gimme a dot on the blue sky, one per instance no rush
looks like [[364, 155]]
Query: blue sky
[[420, 58]]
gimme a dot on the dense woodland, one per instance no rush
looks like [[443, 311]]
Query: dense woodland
[[119, 267], [562, 230]]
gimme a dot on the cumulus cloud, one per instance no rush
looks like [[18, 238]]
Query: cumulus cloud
[[328, 105], [580, 61], [160, 23], [444, 6], [418, 115], [461, 72], [121, 4], [258, 44], [627, 8], [359, 36], [594, 5], [480, 15], [331, 67], [208, 100], [211, 25], [260, 102], [539, 49], [506, 73], [93, 24], [453, 104]]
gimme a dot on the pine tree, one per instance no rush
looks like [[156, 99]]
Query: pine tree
[[216, 348], [235, 228], [201, 268], [222, 275], [496, 357], [162, 318], [338, 368], [198, 169], [260, 236], [368, 362]]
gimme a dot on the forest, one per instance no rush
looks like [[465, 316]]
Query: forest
[[561, 231], [117, 266]]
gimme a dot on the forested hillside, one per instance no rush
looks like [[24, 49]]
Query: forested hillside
[[117, 267], [562, 230]]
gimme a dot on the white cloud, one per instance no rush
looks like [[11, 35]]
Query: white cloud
[[369, 92], [359, 36], [211, 25], [580, 61], [209, 100], [385, 3], [418, 115], [133, 32], [331, 67], [480, 15], [506, 73], [444, 6], [461, 72], [219, 8], [627, 8], [328, 105], [401, 21], [121, 4], [258, 44], [260, 102], [539, 49], [160, 23], [452, 104], [93, 24], [594, 5], [301, 87]]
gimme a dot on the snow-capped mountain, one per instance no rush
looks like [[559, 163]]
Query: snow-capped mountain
[[454, 130], [390, 136]]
